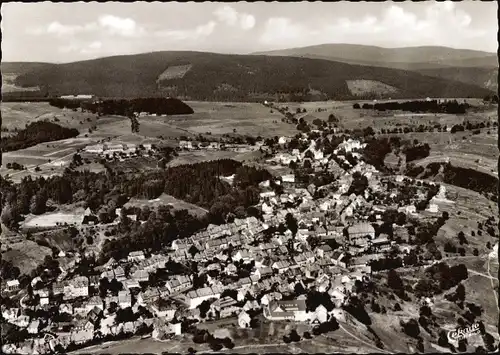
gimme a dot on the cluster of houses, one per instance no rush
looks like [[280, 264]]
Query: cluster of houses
[[110, 148], [216, 146], [247, 268]]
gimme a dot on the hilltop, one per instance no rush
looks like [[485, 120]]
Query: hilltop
[[220, 77], [357, 54]]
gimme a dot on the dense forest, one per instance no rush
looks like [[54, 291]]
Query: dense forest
[[151, 105], [432, 106], [415, 152], [466, 178], [376, 150], [199, 184], [35, 133], [233, 78]]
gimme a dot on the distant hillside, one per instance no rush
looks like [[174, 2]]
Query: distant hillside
[[22, 67], [467, 66], [210, 76], [10, 71], [484, 77], [359, 54]]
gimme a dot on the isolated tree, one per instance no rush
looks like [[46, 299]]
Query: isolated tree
[[411, 328], [461, 238], [394, 280], [291, 223], [193, 250]]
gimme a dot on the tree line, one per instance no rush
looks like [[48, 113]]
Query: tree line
[[36, 133], [470, 179], [123, 107], [432, 106]]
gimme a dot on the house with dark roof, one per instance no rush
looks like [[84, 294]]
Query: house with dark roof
[[339, 259]]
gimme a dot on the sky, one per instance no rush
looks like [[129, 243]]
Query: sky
[[66, 32]]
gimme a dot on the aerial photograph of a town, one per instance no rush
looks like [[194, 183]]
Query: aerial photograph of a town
[[249, 178]]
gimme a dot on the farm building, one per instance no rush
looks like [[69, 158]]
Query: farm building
[[96, 149], [288, 180], [77, 97]]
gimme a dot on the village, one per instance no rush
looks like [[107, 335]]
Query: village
[[308, 239]]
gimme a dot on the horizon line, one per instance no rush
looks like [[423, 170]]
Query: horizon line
[[263, 52]]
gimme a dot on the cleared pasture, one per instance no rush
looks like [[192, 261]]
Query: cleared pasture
[[53, 219], [223, 118], [360, 87], [154, 127], [165, 199], [19, 114], [26, 255], [197, 156]]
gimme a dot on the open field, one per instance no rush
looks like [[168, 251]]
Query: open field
[[217, 118], [351, 118], [165, 199], [197, 156], [50, 157], [360, 87], [26, 255], [487, 165], [469, 208], [18, 114], [221, 118], [53, 219]]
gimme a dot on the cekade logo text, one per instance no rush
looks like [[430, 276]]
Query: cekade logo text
[[463, 333]]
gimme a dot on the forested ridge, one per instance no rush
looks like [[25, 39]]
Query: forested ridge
[[224, 77]]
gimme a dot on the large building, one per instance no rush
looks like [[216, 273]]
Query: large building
[[287, 310], [196, 297], [77, 97]]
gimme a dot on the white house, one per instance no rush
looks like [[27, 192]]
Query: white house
[[433, 208], [34, 327], [124, 299], [267, 209], [244, 320], [12, 285], [320, 314], [288, 179], [174, 328], [243, 255], [136, 256]]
